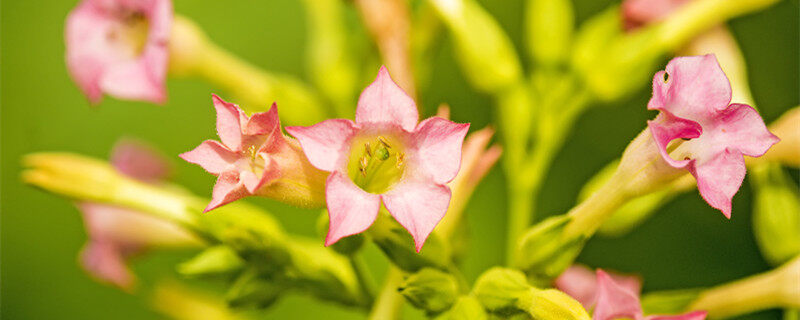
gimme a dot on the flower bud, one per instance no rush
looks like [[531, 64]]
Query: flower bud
[[544, 251], [398, 246], [776, 214], [465, 308], [249, 290], [498, 289], [549, 30], [430, 289], [551, 304], [212, 261], [484, 51]]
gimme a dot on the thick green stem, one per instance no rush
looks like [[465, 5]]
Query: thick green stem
[[389, 302], [363, 277]]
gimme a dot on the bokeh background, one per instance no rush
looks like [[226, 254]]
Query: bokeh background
[[686, 244]]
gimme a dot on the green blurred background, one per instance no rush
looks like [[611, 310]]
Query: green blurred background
[[686, 244]]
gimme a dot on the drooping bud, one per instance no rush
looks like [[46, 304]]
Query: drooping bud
[[431, 290], [549, 30], [544, 251], [484, 51], [215, 260], [776, 213]]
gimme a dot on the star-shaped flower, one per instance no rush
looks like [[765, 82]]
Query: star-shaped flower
[[119, 47], [693, 96], [255, 158], [385, 156]]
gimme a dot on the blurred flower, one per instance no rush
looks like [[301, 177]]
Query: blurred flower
[[116, 233], [385, 156], [694, 97], [580, 282], [120, 48], [636, 13], [616, 301], [255, 158]]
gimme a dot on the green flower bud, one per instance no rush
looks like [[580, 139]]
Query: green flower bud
[[551, 304], [398, 246], [544, 252], [550, 25], [498, 289], [430, 289], [249, 290], [484, 51], [669, 302], [212, 261], [776, 215], [465, 308]]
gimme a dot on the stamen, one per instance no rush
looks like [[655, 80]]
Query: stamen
[[367, 149], [400, 157], [383, 141]]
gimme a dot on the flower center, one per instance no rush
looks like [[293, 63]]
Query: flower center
[[376, 164], [130, 34]]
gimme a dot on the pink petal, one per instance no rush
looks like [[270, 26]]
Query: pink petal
[[637, 13], [229, 123], [697, 315], [418, 206], [138, 79], [263, 123], [106, 263], [350, 209], [719, 178], [615, 301], [384, 102], [580, 283], [326, 143], [227, 189], [212, 156], [666, 127], [139, 161], [740, 126], [696, 88], [438, 148]]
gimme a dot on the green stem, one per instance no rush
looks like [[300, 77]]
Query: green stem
[[363, 277], [776, 288], [389, 302], [590, 214]]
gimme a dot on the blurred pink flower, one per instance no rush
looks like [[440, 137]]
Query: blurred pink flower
[[385, 155], [693, 96], [580, 282], [116, 234], [637, 13], [616, 301], [119, 47]]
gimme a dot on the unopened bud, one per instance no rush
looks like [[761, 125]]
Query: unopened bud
[[551, 304], [550, 27], [212, 261], [465, 308], [776, 216], [430, 289], [485, 52], [498, 289], [544, 251], [249, 290]]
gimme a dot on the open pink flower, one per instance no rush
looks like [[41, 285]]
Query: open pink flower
[[580, 282], [253, 157], [693, 96], [116, 234], [637, 13], [616, 301], [385, 155], [119, 47]]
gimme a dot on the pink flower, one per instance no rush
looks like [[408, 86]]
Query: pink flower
[[637, 13], [116, 234], [616, 301], [119, 47], [694, 98], [255, 158], [580, 282], [385, 156]]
